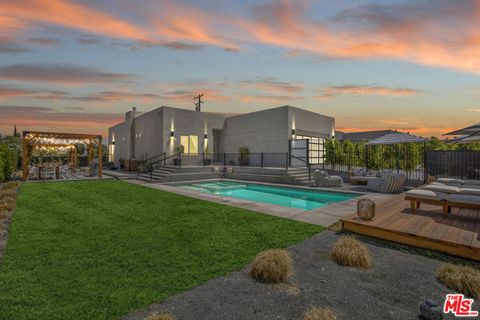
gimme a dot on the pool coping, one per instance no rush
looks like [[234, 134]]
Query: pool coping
[[323, 216]]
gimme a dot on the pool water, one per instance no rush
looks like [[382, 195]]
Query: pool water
[[287, 197]]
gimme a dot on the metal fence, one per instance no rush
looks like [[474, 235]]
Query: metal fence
[[261, 159], [461, 164], [403, 158]]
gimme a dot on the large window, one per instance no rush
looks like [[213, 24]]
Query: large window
[[315, 148], [190, 144]]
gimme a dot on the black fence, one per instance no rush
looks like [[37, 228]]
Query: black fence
[[402, 158], [461, 164], [262, 159]]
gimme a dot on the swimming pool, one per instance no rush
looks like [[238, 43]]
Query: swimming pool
[[282, 196]]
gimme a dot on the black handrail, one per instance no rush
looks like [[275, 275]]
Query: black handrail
[[149, 164], [303, 160]]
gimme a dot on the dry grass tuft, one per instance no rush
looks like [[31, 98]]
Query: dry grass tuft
[[319, 314], [12, 193], [272, 266], [462, 279], [161, 316], [11, 185], [349, 252], [7, 203], [3, 213]]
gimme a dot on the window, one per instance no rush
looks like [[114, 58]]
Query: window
[[190, 144], [315, 148]]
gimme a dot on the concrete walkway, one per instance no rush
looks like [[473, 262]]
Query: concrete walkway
[[323, 216]]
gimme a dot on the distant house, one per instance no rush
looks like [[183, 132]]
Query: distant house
[[277, 130], [364, 135]]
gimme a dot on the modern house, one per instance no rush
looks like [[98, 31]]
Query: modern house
[[278, 130]]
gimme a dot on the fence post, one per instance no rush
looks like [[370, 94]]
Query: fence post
[[224, 159], [309, 173], [203, 159], [424, 162], [286, 161], [261, 157]]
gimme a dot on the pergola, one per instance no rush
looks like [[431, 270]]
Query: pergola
[[59, 141]]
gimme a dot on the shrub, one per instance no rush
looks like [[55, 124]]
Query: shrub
[[7, 203], [9, 162], [10, 193], [272, 266], [161, 316], [319, 314], [349, 252], [3, 213], [10, 185], [462, 279]]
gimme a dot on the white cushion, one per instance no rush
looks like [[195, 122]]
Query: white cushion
[[426, 194], [470, 191], [449, 181], [472, 182], [442, 188], [464, 198]]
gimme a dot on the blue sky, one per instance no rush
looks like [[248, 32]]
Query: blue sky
[[79, 65]]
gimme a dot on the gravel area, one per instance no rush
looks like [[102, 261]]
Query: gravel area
[[393, 289]]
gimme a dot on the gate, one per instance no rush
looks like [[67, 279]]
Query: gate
[[299, 150]]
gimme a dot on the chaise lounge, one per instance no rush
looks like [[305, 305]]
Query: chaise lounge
[[446, 193]]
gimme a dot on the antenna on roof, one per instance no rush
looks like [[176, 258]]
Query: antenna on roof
[[198, 102]]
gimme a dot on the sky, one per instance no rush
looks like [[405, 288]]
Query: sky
[[78, 66]]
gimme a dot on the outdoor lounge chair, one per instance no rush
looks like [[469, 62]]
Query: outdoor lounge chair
[[389, 182], [446, 201], [323, 179]]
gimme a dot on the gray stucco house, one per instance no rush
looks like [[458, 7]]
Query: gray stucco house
[[278, 130]]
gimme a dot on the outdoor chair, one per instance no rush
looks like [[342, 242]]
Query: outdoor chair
[[323, 179], [388, 182]]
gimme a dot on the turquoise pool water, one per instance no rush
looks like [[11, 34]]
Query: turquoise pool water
[[288, 197]]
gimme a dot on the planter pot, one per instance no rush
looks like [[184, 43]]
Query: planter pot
[[177, 162]]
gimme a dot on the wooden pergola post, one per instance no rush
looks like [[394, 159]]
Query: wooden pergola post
[[90, 152], [100, 156], [25, 158]]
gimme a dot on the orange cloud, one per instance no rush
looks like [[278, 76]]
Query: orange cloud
[[329, 92], [272, 84], [267, 99], [68, 14]]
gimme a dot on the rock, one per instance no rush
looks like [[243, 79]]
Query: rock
[[365, 209], [429, 310]]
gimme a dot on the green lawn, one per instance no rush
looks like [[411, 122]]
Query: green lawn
[[101, 249]]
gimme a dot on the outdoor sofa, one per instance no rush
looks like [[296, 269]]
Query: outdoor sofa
[[323, 179], [446, 193]]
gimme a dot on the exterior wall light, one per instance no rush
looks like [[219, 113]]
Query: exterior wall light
[[171, 133], [293, 131], [205, 136], [113, 143]]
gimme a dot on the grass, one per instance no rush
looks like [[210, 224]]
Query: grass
[[102, 249], [319, 314], [463, 279], [348, 251], [272, 266]]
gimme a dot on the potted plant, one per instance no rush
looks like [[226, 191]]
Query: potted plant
[[244, 156], [178, 161]]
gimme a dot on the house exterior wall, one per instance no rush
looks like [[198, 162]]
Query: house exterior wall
[[309, 123], [187, 122], [149, 134], [262, 131]]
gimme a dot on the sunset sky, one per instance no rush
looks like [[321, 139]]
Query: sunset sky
[[78, 66]]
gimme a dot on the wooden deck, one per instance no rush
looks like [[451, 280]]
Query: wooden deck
[[458, 234]]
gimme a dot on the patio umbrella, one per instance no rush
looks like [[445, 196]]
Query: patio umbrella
[[468, 139], [467, 131], [397, 137]]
